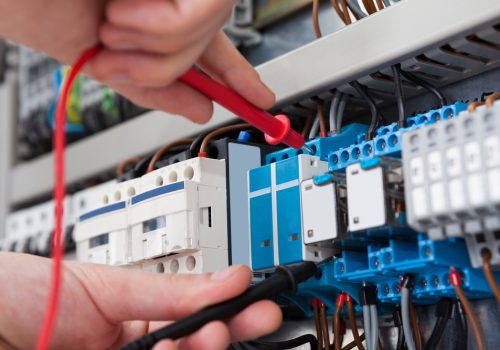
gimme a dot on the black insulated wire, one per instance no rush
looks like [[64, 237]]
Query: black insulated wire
[[285, 280], [376, 117], [425, 84], [286, 344], [396, 69]]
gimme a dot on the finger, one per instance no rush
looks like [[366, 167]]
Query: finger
[[141, 68], [166, 345], [177, 98], [166, 297], [213, 336], [258, 319], [223, 61], [123, 38], [171, 18]]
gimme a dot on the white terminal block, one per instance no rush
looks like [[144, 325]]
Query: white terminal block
[[180, 208], [102, 235], [366, 201], [319, 212]]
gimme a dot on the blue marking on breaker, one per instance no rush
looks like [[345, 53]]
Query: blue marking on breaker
[[387, 141], [103, 210], [289, 225], [322, 146]]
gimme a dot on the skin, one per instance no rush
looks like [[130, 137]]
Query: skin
[[147, 45], [99, 305]]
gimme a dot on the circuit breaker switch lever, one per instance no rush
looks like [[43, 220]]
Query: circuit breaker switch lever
[[276, 129]]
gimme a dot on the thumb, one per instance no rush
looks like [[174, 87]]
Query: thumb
[[124, 294]]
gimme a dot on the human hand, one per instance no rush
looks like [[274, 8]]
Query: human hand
[[99, 305], [148, 44]]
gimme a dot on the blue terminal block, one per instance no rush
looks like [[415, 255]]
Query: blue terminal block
[[275, 212], [388, 139], [322, 146]]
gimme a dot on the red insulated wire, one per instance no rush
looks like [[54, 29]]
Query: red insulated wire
[[59, 194]]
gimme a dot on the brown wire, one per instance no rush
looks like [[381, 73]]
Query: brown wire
[[337, 9], [353, 344], [369, 6], [322, 118], [324, 325], [380, 5], [492, 98], [414, 326], [345, 10], [120, 169], [473, 105], [164, 150], [489, 274], [308, 124], [337, 342], [317, 324], [220, 131], [354, 13], [354, 326], [469, 312], [315, 17]]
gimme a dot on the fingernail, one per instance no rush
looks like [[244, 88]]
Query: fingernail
[[118, 78], [222, 275]]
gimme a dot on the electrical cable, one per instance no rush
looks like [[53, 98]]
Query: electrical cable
[[492, 98], [369, 6], [444, 311], [195, 145], [324, 326], [315, 18], [374, 326], [456, 282], [317, 323], [341, 111], [122, 167], [356, 9], [334, 105], [353, 344], [462, 331], [286, 344], [486, 253], [315, 128], [474, 105], [414, 326], [380, 5], [285, 280], [338, 10], [367, 325], [164, 149], [387, 3], [215, 133], [425, 84], [59, 194], [352, 322], [337, 343], [401, 339], [373, 109], [322, 119], [345, 10], [405, 313], [308, 124], [398, 323], [399, 95]]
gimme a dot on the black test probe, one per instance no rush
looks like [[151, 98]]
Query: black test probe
[[285, 280]]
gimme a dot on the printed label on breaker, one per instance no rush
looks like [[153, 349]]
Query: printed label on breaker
[[453, 163], [492, 151], [435, 166], [417, 171], [472, 153]]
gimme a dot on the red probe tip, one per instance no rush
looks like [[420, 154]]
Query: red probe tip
[[285, 134], [341, 298], [455, 279]]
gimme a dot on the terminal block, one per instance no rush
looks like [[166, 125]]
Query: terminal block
[[452, 179], [275, 212], [322, 146], [388, 139]]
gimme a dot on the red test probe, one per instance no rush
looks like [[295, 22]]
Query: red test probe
[[276, 129]]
